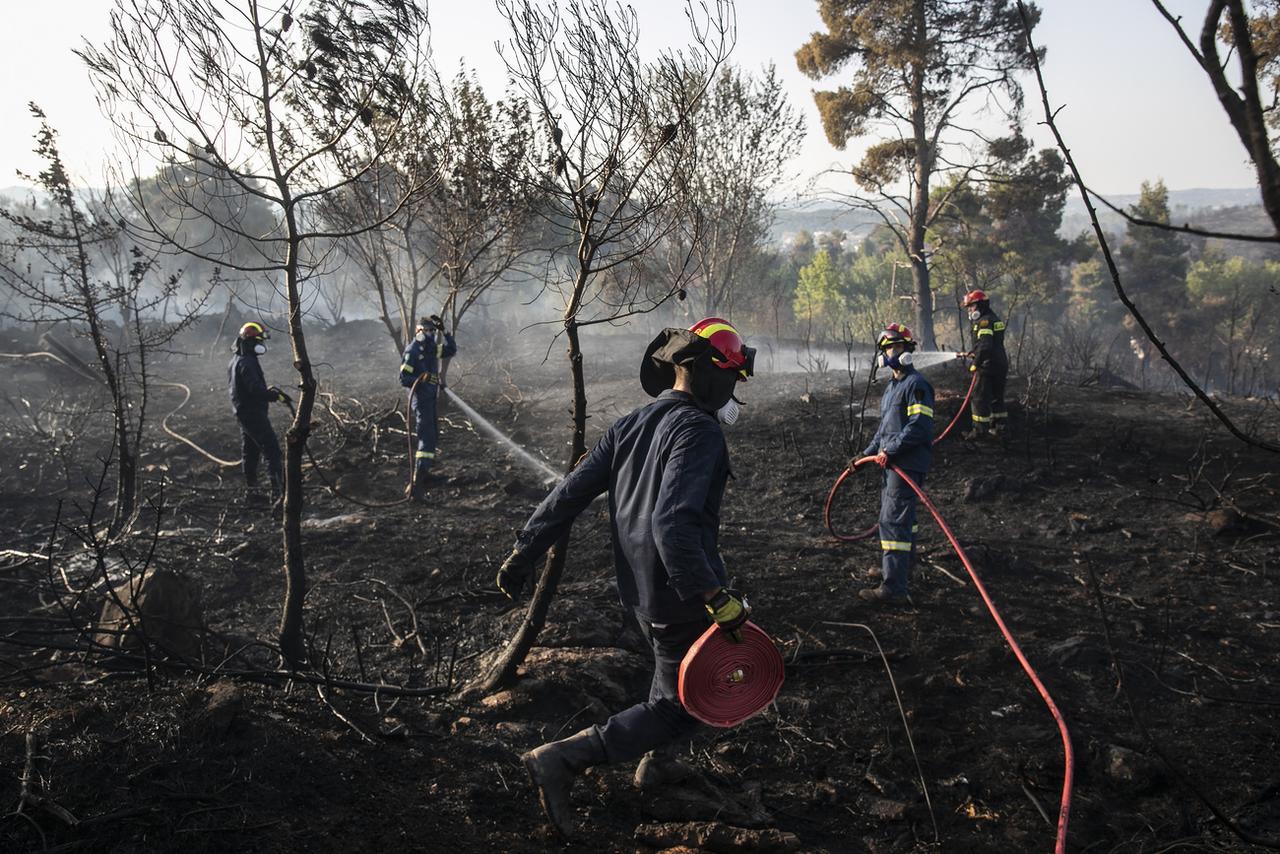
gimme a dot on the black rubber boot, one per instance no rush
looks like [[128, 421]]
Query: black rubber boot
[[421, 483], [659, 768], [881, 596], [552, 769]]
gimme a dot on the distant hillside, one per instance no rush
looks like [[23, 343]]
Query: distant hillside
[[1230, 211], [1220, 209], [18, 193], [1198, 207], [815, 219]]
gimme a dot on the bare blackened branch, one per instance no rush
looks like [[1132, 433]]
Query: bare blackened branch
[[1115, 272]]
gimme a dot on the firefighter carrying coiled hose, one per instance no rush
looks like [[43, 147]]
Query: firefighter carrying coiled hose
[[665, 466]]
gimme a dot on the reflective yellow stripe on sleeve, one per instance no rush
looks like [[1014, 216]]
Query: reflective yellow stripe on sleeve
[[406, 368], [980, 419], [425, 455], [895, 546], [919, 409], [998, 326], [982, 332]]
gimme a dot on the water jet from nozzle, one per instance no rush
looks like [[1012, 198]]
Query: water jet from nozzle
[[549, 475]]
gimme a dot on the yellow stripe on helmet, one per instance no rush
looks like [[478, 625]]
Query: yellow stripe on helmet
[[708, 331]]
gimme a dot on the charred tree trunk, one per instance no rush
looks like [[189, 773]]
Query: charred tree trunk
[[503, 670], [126, 465], [292, 645], [222, 325], [127, 481]]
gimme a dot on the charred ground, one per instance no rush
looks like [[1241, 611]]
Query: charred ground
[[1177, 522]]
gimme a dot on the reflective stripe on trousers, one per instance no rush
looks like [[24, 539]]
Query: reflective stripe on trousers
[[897, 528], [424, 411]]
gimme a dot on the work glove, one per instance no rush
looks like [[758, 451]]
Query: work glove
[[437, 322], [280, 397], [730, 610], [513, 574]]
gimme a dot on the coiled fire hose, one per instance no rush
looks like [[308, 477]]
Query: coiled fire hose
[[835, 488], [724, 682], [1064, 808]]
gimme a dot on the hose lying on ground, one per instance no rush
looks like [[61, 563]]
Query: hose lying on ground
[[1064, 808], [164, 425]]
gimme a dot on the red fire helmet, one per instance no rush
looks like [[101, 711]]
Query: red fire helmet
[[254, 331], [895, 333], [728, 343]]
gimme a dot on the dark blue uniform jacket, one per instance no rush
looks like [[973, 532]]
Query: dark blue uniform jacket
[[665, 466], [906, 423], [988, 343], [425, 357], [247, 387]]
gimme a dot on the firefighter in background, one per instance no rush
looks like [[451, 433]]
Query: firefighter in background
[[903, 438], [250, 396], [420, 371], [992, 365], [664, 466]]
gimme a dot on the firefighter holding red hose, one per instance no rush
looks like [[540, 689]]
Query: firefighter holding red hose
[[665, 467], [991, 364], [903, 438]]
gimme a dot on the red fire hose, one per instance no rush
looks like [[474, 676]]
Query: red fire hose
[[1064, 808], [831, 496], [963, 406], [723, 682]]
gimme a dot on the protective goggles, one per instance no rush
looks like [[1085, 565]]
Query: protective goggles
[[746, 364]]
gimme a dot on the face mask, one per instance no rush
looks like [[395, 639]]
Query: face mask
[[259, 349], [421, 338], [900, 361], [728, 414], [974, 314]]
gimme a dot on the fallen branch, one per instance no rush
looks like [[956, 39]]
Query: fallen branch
[[27, 794], [340, 716], [111, 656], [902, 712]]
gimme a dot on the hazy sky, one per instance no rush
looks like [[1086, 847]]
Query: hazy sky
[[1137, 106]]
